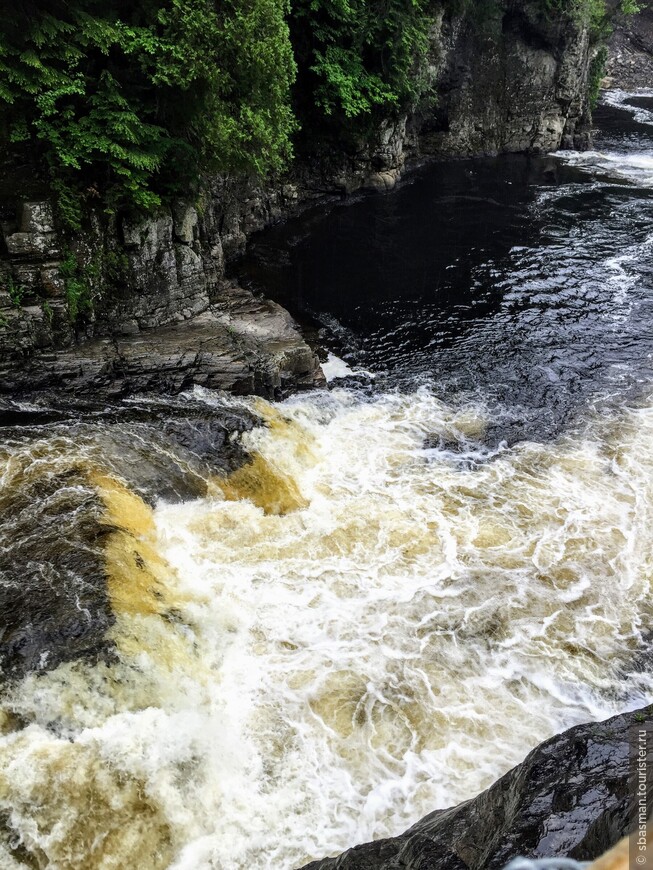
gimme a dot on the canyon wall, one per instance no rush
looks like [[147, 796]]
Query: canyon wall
[[150, 307], [630, 57]]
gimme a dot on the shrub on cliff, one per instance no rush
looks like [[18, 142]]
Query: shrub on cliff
[[356, 56], [127, 100]]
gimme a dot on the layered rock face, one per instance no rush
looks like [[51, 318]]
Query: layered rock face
[[169, 321], [569, 797], [630, 58], [516, 82], [509, 84]]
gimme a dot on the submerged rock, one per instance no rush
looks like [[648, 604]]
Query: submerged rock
[[55, 528], [569, 797]]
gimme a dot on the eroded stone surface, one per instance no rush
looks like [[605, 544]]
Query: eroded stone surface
[[243, 345], [630, 59]]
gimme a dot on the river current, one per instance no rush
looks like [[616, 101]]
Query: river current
[[419, 574]]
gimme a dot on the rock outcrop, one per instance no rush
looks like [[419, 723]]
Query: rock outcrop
[[513, 83], [243, 345], [169, 320], [54, 525], [630, 51], [569, 797]]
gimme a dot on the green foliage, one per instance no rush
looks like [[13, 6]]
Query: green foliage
[[16, 292], [115, 268], [594, 13], [356, 56], [77, 285], [128, 102], [47, 310]]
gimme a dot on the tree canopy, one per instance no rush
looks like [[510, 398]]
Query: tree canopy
[[130, 102]]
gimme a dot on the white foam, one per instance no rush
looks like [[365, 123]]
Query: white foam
[[335, 367], [621, 100], [635, 168], [334, 673]]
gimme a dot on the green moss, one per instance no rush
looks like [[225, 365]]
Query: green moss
[[16, 292], [47, 310]]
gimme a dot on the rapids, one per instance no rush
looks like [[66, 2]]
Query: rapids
[[414, 579]]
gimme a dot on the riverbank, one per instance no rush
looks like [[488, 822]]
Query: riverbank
[[514, 84]]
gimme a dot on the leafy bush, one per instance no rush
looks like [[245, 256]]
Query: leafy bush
[[16, 292], [596, 73], [594, 13], [78, 289], [356, 56], [128, 103], [122, 98]]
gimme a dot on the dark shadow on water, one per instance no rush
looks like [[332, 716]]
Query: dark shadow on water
[[522, 282]]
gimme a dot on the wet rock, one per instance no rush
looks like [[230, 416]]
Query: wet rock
[[32, 244], [569, 797], [54, 603], [517, 83], [244, 345], [382, 180], [52, 591], [37, 217]]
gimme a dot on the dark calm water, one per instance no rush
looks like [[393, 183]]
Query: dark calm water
[[527, 281]]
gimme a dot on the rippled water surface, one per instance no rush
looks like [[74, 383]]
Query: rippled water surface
[[523, 281], [416, 576]]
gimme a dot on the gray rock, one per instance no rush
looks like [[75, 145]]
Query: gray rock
[[244, 345], [519, 84], [36, 217], [52, 281], [630, 57], [185, 223], [32, 244], [53, 594]]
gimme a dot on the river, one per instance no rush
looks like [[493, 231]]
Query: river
[[420, 574]]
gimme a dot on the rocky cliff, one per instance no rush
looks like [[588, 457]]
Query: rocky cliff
[[569, 798], [630, 57], [518, 83], [130, 305]]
